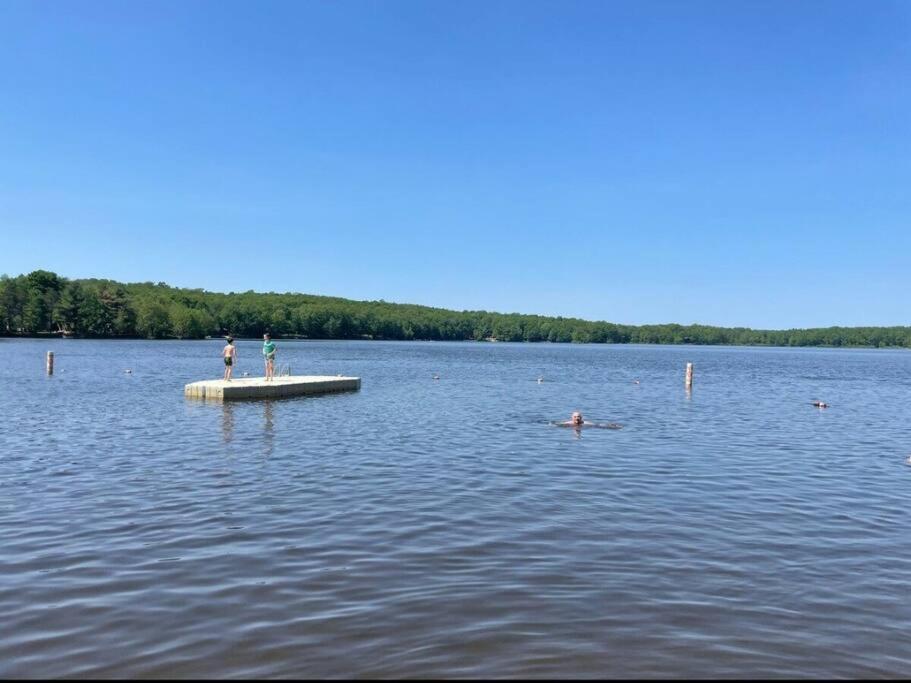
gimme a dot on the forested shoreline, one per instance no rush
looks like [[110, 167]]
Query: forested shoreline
[[42, 303]]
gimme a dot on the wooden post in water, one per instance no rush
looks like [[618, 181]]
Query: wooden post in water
[[689, 375], [50, 362]]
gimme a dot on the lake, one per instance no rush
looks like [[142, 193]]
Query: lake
[[443, 528]]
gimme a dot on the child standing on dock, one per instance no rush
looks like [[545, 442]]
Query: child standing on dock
[[229, 353], [269, 356]]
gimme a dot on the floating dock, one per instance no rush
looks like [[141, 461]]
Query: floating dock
[[259, 388]]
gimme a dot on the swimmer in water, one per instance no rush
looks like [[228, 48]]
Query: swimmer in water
[[577, 421], [820, 404]]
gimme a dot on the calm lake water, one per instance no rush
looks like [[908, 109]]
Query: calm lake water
[[423, 528]]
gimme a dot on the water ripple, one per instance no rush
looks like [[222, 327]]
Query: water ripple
[[423, 528]]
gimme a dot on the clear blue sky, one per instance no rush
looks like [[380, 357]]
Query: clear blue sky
[[733, 163]]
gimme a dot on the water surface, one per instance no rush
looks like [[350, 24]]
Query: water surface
[[443, 528]]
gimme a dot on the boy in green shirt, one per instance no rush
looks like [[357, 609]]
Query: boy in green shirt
[[269, 355]]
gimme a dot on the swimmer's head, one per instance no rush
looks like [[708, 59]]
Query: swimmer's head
[[577, 418], [267, 336], [230, 340]]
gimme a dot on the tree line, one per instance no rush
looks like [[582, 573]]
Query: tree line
[[42, 303]]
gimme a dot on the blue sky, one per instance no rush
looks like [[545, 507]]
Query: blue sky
[[732, 163]]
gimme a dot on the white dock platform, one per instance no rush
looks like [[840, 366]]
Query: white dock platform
[[280, 387]]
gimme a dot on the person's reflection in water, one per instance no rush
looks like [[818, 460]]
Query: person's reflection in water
[[268, 432], [227, 421]]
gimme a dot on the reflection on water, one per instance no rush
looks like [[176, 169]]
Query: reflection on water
[[229, 413], [268, 435], [227, 421], [422, 528]]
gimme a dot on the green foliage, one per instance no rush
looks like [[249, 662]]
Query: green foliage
[[153, 320], [70, 308], [44, 303]]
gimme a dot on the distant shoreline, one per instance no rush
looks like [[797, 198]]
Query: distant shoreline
[[50, 336], [43, 305]]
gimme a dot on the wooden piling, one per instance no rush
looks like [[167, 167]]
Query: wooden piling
[[50, 362], [689, 375]]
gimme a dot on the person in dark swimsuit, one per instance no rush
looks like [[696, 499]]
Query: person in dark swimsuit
[[229, 353]]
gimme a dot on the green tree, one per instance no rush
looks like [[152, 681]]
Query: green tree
[[152, 319], [68, 313], [12, 302]]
